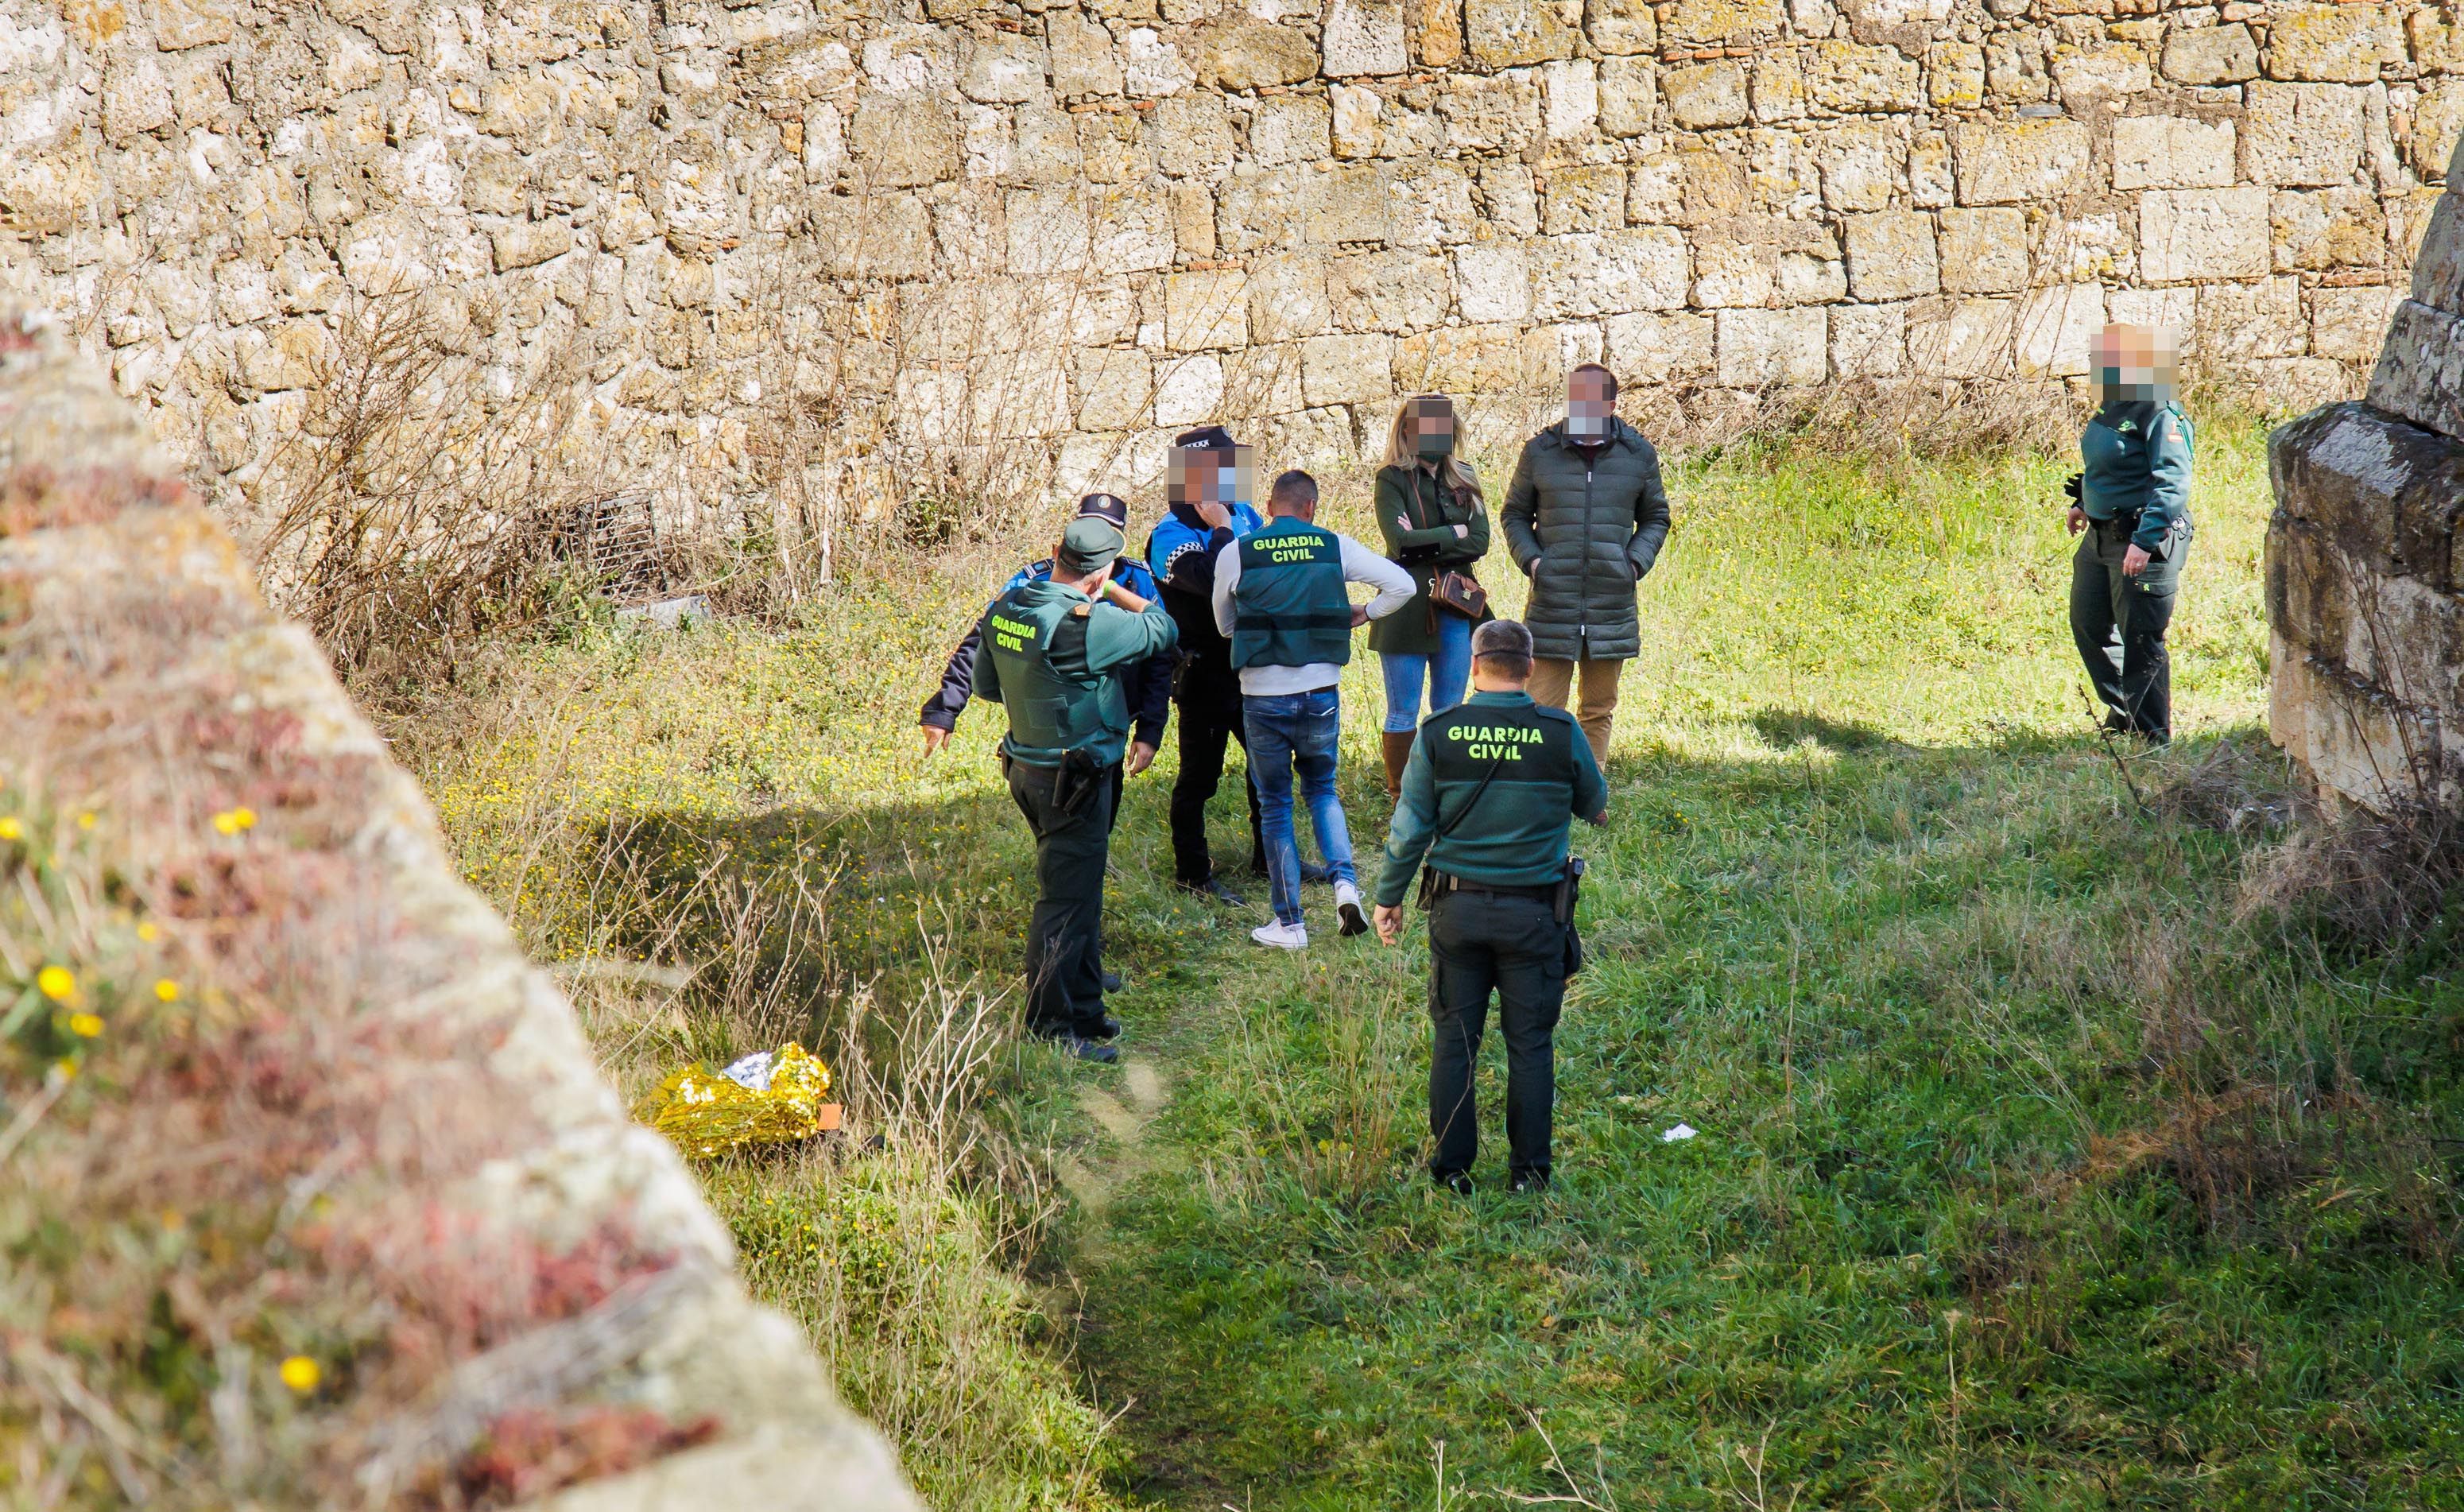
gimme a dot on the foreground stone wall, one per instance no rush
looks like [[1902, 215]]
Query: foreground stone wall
[[818, 245], [143, 677], [2366, 559]]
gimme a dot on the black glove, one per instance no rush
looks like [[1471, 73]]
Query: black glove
[[2071, 488]]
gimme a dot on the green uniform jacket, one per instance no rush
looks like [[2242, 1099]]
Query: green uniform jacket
[[1585, 531], [1511, 833], [1291, 607], [2134, 460], [1051, 668], [1426, 548]]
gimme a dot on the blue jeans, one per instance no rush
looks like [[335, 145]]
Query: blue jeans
[[1295, 733], [1446, 674]]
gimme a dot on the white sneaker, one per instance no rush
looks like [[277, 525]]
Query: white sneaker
[[1282, 936], [1347, 908]]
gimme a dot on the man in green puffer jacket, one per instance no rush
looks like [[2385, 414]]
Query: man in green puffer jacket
[[1584, 519]]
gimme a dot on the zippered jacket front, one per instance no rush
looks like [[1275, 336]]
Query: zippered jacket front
[[1585, 524]]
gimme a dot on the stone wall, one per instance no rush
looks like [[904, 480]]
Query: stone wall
[[811, 247], [2366, 559], [144, 680]]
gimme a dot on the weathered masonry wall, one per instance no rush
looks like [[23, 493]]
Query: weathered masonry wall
[[145, 679], [827, 244], [2366, 559]]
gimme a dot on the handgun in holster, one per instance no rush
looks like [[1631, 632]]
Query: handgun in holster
[[1570, 888], [1076, 780]]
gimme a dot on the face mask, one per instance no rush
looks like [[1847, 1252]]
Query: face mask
[[1432, 448], [1587, 427]]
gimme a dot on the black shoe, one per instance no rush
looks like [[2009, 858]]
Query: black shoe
[[1458, 1182], [1528, 1181], [1214, 889], [1113, 983], [1107, 1028], [1258, 866], [1089, 1050], [2116, 724]]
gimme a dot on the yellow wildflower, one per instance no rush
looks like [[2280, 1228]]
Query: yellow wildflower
[[226, 823], [84, 1026], [85, 820], [9, 828], [301, 1374], [244, 817], [165, 990], [55, 982], [148, 932]]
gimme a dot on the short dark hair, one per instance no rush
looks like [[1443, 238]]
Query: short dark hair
[[1507, 644], [1295, 488], [1594, 367]]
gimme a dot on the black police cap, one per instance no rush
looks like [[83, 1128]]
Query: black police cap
[[1205, 438], [1105, 507]]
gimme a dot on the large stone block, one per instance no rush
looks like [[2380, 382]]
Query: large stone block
[[1984, 250], [1287, 297], [2300, 134], [1590, 274], [900, 140], [1152, 68], [877, 236], [1759, 347], [2346, 43], [2349, 324], [1433, 30], [2055, 327], [2324, 229], [1777, 89], [1114, 388], [1717, 23], [2216, 55], [1861, 163], [1629, 95], [2089, 76], [1652, 348], [1492, 282], [1188, 390], [1955, 76], [1083, 61], [1424, 204], [2420, 374], [1972, 338], [1513, 34], [1206, 311], [1869, 340], [1365, 37], [1233, 50], [2439, 263], [1570, 92], [1294, 128], [1847, 78], [2437, 126], [2192, 234], [1347, 369], [1392, 292], [1493, 113], [1004, 69], [2243, 323], [1733, 275], [2171, 152], [1622, 25], [1701, 97], [1584, 198], [2019, 163], [1048, 230], [1891, 254]]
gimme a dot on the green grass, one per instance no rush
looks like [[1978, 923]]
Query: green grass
[[2036, 1166]]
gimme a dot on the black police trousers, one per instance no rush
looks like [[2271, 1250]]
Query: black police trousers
[[2118, 625], [1205, 728], [1480, 943], [1064, 936]]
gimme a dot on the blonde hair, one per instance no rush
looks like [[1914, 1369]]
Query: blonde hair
[[1402, 452]]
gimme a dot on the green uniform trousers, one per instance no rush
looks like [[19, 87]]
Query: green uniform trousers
[[1482, 943], [1064, 938], [2119, 624]]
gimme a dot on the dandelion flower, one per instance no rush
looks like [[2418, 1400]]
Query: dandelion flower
[[85, 820], [301, 1374], [226, 823], [84, 1026], [165, 990], [9, 828], [148, 932], [55, 982], [244, 817]]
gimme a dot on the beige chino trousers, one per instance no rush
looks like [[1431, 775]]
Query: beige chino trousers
[[1552, 679]]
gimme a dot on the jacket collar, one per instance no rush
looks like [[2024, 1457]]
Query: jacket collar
[[1517, 699], [1621, 434]]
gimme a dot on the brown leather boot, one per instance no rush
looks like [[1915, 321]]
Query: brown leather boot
[[1399, 750]]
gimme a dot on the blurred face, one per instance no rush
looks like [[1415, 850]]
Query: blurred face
[[2135, 363], [1588, 406], [1432, 429], [1209, 476]]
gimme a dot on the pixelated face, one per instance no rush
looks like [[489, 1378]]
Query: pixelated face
[[1587, 396], [1433, 420], [2135, 362], [1196, 477]]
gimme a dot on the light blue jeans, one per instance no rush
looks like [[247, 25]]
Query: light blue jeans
[[1446, 674], [1294, 735]]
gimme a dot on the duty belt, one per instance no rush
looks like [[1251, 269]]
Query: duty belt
[[1447, 882]]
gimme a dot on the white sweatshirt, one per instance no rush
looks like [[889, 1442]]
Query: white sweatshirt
[[1394, 589]]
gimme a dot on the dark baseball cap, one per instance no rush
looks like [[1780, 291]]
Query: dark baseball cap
[[1105, 506], [1205, 438], [1091, 541]]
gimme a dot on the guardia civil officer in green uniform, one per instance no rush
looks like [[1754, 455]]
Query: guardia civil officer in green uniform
[[1051, 652], [2132, 498], [1489, 793]]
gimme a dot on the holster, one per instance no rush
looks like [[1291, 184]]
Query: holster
[[1570, 892], [1075, 782]]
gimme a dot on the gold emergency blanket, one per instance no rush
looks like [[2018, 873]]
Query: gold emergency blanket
[[767, 1099]]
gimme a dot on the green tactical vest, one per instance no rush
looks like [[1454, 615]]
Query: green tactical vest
[[1513, 828], [1289, 608], [1049, 712]]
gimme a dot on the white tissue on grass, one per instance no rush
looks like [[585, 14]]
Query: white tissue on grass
[[1681, 1131], [753, 1072]]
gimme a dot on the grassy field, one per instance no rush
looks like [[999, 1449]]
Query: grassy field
[[2038, 1164]]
